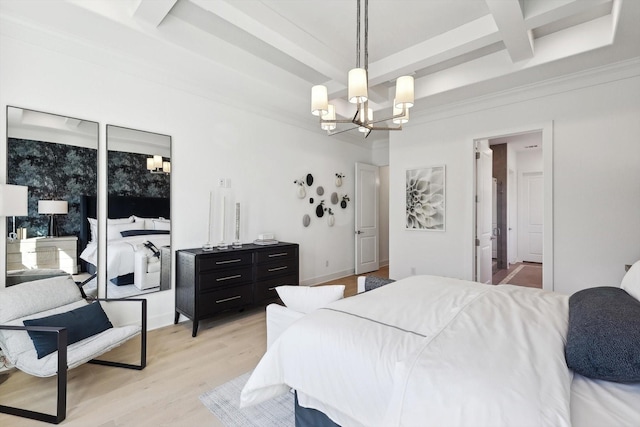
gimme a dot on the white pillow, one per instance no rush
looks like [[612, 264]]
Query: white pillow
[[631, 281], [126, 220], [148, 224], [93, 226], [161, 224], [113, 230], [306, 299]]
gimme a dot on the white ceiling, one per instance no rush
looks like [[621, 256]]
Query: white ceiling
[[456, 49]]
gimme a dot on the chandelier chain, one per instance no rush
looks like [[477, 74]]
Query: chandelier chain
[[358, 35], [366, 34]]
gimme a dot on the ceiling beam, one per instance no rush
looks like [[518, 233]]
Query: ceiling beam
[[271, 29], [153, 11], [509, 18], [462, 40]]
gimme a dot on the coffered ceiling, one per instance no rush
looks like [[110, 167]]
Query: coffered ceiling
[[455, 49]]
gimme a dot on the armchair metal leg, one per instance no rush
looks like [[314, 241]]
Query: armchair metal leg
[[143, 345], [61, 396]]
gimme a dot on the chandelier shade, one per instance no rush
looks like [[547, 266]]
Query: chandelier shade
[[358, 93], [319, 100], [404, 92]]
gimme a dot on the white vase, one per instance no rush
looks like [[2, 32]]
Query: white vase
[[301, 192], [331, 220], [338, 181]]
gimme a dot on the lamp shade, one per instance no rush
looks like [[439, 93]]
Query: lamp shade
[[53, 207], [13, 200], [404, 92], [358, 85], [319, 100], [330, 117], [368, 121], [398, 117]]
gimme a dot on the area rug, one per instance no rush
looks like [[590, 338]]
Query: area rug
[[224, 402]]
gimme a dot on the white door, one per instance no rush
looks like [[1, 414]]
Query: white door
[[484, 204], [494, 218], [512, 217], [531, 208], [366, 221]]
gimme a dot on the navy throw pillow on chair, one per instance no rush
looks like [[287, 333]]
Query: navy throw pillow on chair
[[81, 323]]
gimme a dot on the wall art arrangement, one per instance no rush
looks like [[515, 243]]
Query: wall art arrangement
[[322, 208], [426, 199]]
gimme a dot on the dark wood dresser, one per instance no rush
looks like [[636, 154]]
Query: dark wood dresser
[[210, 282]]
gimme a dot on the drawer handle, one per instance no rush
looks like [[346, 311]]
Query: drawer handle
[[235, 276], [277, 269], [228, 299], [280, 254], [228, 262]]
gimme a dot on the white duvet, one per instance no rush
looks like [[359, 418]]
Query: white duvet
[[120, 252], [427, 351]]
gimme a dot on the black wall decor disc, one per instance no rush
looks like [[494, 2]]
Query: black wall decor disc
[[311, 200], [309, 179], [320, 211]]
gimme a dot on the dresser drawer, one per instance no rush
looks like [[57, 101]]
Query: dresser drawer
[[224, 299], [218, 261], [224, 278], [266, 289], [276, 269], [276, 254]]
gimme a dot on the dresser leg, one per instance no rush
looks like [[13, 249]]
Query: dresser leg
[[176, 318], [195, 328]]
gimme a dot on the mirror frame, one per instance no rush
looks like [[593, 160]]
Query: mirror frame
[[145, 195]]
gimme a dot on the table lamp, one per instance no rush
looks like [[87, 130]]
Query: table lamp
[[13, 203], [53, 208]]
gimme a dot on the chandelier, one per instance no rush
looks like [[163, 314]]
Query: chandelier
[[358, 83], [157, 164]]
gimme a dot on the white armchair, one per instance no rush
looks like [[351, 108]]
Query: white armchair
[[146, 271], [47, 328]]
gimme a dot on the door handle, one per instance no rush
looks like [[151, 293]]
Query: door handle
[[358, 232]]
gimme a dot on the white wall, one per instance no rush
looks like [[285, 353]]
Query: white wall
[[596, 158], [260, 156]]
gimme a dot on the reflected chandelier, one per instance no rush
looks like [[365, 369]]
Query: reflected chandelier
[[358, 81]]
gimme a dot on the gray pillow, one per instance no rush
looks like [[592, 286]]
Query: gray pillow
[[372, 282], [603, 341]]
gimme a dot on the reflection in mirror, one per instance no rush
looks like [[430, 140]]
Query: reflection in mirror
[[139, 212], [55, 157]]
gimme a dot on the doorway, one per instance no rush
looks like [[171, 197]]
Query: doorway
[[521, 209]]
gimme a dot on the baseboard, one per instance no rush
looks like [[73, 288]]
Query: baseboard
[[322, 279]]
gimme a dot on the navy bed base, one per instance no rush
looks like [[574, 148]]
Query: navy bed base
[[308, 417]]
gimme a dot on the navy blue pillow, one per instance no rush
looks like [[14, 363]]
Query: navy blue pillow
[[127, 233], [603, 341], [81, 323]]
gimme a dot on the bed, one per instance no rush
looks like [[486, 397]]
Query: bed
[[133, 223], [430, 350]]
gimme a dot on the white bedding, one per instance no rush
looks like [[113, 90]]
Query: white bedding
[[120, 252], [429, 351]]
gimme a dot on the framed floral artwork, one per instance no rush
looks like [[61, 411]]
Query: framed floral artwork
[[426, 207]]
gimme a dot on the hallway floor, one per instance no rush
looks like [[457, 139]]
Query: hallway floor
[[527, 274]]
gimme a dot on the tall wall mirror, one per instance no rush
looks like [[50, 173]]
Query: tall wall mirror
[[55, 158], [139, 212]]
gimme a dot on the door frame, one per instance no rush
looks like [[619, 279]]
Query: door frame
[[547, 160]]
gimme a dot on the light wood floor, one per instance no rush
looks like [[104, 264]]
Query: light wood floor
[[179, 369]]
